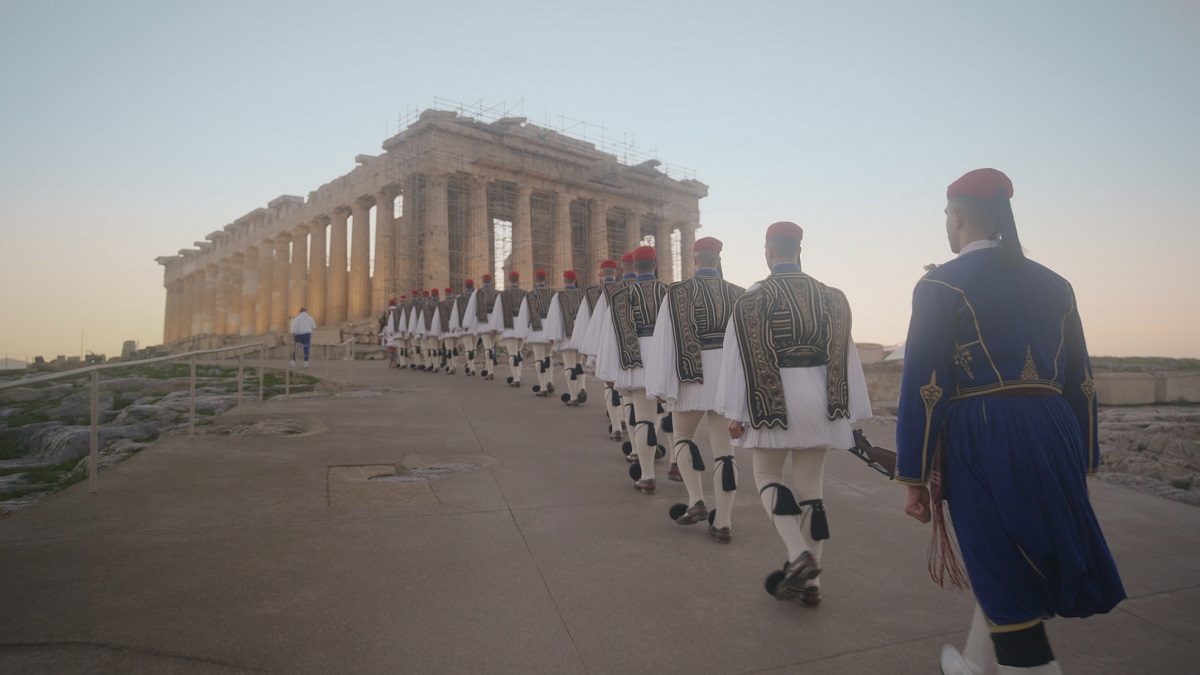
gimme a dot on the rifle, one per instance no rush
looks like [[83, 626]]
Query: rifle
[[880, 459]]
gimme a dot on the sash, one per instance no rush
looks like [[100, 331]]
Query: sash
[[569, 301], [791, 321], [510, 304], [485, 300], [700, 308], [634, 310], [539, 306]]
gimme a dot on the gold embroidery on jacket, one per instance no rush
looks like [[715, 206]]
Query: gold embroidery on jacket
[[962, 359], [569, 301], [1029, 372], [539, 306], [634, 311], [485, 301], [510, 304]]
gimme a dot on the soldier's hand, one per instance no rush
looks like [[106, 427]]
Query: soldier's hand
[[736, 430], [916, 503]]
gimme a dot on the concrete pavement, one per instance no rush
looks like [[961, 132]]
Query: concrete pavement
[[235, 554]]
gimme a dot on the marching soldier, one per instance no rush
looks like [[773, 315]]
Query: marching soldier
[[685, 371], [478, 323], [465, 342], [448, 340], [625, 335], [791, 384], [534, 309], [504, 322], [618, 410], [997, 417], [562, 329]]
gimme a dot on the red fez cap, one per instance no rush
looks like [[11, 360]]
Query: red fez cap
[[404, 297], [514, 275], [570, 274], [487, 278], [707, 244], [449, 290], [785, 230], [541, 274], [392, 301], [628, 257], [644, 253], [425, 294], [469, 283], [981, 183], [608, 264], [434, 291], [416, 292]]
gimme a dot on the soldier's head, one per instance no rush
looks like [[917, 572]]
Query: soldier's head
[[514, 278], [783, 243], [644, 261], [627, 266], [978, 207], [468, 285], [539, 278], [570, 278], [706, 253], [449, 291], [608, 270], [487, 281]]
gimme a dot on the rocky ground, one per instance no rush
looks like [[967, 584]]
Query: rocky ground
[[44, 429]]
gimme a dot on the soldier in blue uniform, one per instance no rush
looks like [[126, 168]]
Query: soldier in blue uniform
[[998, 418]]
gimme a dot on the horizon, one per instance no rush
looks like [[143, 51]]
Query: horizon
[[132, 131]]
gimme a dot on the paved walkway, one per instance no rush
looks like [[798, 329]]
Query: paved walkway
[[232, 554]]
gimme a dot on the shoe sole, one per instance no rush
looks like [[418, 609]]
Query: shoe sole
[[691, 519], [722, 537], [792, 586]]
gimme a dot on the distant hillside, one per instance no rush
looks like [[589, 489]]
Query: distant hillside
[[1141, 364], [8, 364]]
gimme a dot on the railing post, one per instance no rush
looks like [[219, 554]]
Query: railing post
[[261, 358], [94, 436], [192, 399], [241, 371], [287, 381]]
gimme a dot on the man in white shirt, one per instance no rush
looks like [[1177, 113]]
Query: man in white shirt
[[302, 329]]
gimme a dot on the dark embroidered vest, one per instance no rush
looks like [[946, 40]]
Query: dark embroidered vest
[[397, 316], [485, 300], [569, 301], [510, 304], [700, 309], [427, 314], [444, 309], [460, 306], [539, 306], [791, 321], [592, 293], [634, 308]]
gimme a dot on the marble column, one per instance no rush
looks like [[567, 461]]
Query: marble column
[[280, 310], [633, 228], [477, 229], [221, 308], [233, 295], [383, 275], [522, 237], [436, 251], [262, 299], [662, 251], [598, 232], [562, 237], [298, 274], [171, 316], [687, 239], [249, 289], [404, 246], [210, 300], [317, 272], [196, 302], [359, 292], [335, 298]]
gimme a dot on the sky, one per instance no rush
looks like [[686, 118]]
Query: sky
[[130, 129]]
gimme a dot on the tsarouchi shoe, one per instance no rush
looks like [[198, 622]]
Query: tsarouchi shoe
[[692, 514], [810, 596], [673, 473], [796, 575], [646, 485], [721, 534]]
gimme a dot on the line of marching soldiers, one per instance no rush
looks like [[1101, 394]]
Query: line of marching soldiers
[[660, 351]]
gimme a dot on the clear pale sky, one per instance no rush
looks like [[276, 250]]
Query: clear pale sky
[[131, 129]]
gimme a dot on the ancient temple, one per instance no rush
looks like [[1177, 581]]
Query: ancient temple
[[451, 197]]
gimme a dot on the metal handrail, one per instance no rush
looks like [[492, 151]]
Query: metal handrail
[[94, 371]]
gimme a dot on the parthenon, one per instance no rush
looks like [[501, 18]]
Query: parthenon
[[451, 197]]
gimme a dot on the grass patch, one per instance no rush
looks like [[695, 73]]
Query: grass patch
[[44, 479]]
